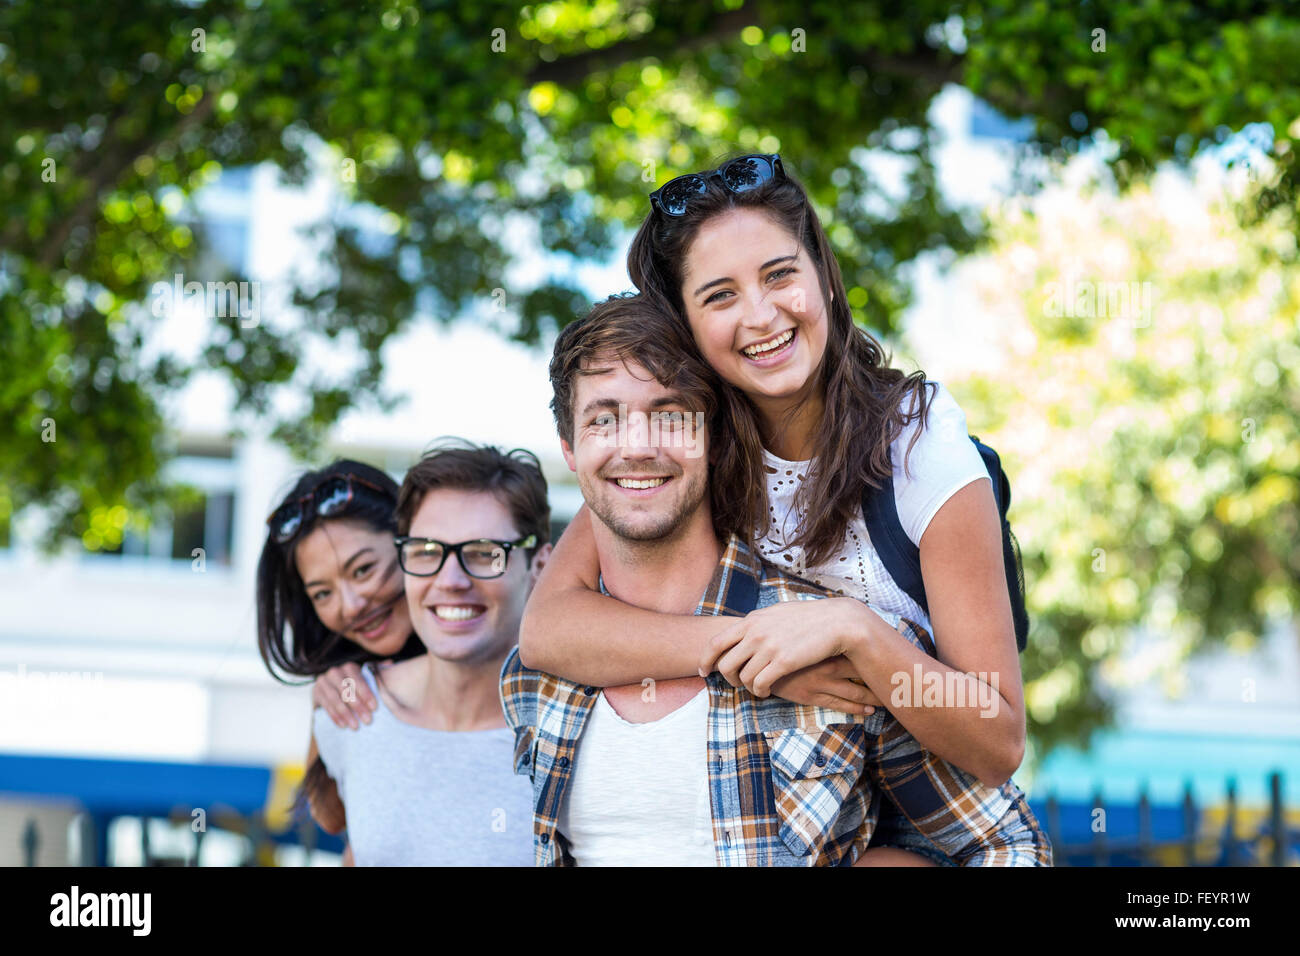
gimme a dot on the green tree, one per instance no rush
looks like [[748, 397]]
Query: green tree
[[1147, 412], [458, 119]]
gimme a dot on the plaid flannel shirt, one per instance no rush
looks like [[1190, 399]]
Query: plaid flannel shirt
[[789, 784]]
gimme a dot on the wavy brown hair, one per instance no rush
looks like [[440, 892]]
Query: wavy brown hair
[[863, 395]]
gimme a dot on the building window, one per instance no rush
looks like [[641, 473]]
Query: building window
[[208, 523], [201, 514]]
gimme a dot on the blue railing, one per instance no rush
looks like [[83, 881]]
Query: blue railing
[[1097, 833], [234, 798]]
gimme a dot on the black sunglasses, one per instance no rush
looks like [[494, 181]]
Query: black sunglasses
[[331, 495], [739, 175], [483, 558]]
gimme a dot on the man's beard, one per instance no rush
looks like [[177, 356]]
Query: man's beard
[[647, 527]]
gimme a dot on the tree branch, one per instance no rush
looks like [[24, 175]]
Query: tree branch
[[108, 172], [568, 70], [928, 66]]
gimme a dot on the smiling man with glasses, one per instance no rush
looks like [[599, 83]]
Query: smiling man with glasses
[[428, 781]]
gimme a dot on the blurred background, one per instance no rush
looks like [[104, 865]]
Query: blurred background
[[238, 239]]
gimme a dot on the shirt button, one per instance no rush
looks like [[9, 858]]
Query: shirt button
[[717, 766], [589, 691], [820, 761], [526, 759], [563, 761], [546, 838]]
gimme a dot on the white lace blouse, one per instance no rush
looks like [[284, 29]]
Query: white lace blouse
[[943, 461]]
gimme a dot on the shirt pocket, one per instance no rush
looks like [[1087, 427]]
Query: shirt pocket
[[813, 772], [525, 751]]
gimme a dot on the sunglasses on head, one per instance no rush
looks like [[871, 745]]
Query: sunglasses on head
[[330, 496], [738, 175]]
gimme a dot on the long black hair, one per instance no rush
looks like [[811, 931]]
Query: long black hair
[[290, 636]]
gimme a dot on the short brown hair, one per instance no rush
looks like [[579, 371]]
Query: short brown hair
[[629, 328], [515, 477]]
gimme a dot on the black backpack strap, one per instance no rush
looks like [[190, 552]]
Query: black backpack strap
[[1001, 485], [1011, 562], [902, 559]]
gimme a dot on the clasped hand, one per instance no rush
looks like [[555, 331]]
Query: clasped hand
[[800, 651]]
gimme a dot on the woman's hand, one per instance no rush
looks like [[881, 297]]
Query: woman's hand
[[343, 694], [774, 643], [833, 684]]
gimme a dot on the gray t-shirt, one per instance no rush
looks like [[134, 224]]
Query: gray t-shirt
[[419, 797]]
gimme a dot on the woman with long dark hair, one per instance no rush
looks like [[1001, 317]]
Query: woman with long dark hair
[[816, 416], [330, 594]]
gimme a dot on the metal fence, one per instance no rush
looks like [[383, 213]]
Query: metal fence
[[1083, 833], [1182, 834]]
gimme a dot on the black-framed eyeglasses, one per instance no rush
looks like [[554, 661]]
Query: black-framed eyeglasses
[[483, 558], [739, 175], [330, 496]]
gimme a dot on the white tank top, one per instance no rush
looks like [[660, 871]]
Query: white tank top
[[639, 794]]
